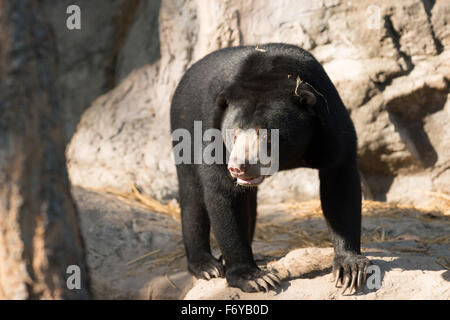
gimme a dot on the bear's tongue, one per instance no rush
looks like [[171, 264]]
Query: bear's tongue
[[251, 181]]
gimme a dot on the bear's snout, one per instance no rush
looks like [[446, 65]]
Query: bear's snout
[[236, 169], [245, 161], [244, 171]]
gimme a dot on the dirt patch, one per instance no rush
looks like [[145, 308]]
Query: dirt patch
[[136, 253]]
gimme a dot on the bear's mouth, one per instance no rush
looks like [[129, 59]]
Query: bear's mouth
[[250, 182]]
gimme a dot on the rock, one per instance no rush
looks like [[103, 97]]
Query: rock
[[287, 185], [135, 253], [122, 145], [85, 55], [403, 276], [136, 138], [141, 45], [390, 63], [398, 246]]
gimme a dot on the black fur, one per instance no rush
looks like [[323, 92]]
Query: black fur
[[322, 136]]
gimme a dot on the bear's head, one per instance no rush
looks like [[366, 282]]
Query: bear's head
[[267, 124]]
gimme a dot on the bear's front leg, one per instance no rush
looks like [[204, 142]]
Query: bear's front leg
[[340, 194], [228, 212]]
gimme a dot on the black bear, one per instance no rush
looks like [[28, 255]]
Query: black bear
[[262, 94]]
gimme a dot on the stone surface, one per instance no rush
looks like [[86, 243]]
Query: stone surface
[[403, 276], [141, 44], [390, 63], [405, 249], [116, 233], [135, 253], [84, 55]]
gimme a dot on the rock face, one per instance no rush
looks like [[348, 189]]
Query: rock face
[[389, 61], [84, 56], [91, 60]]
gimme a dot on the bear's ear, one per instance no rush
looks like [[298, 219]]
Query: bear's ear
[[305, 97], [222, 100]]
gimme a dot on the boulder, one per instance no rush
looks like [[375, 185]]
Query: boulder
[[389, 61]]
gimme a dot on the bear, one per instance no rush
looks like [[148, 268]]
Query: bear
[[267, 95]]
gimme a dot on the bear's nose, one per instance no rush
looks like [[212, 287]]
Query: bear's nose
[[237, 169]]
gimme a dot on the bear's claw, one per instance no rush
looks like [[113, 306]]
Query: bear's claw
[[207, 268], [253, 280], [350, 271]]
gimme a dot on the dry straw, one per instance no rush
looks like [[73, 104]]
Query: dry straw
[[136, 197], [283, 238]]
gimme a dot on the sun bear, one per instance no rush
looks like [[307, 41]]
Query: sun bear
[[275, 97]]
